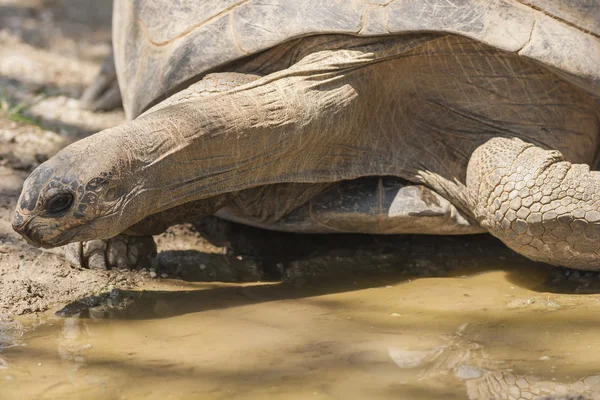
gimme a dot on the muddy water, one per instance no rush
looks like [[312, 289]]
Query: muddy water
[[475, 335]]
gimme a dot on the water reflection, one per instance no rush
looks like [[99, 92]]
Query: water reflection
[[453, 358], [70, 346], [476, 336], [484, 377], [10, 334]]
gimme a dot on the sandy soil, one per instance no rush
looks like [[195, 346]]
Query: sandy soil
[[48, 53]]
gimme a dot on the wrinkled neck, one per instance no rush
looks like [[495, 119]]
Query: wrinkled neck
[[191, 151]]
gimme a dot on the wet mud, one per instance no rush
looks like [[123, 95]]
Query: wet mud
[[475, 333]]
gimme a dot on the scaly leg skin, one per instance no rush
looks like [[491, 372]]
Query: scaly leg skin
[[119, 252], [538, 204]]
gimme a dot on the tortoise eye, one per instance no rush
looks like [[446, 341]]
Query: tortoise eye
[[59, 202]]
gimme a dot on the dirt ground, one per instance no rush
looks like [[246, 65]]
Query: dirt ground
[[50, 50]]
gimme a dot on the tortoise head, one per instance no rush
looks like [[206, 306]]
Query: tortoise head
[[74, 196]]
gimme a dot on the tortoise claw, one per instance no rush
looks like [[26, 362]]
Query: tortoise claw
[[123, 252], [73, 254]]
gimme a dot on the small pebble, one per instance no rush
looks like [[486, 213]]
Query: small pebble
[[152, 274], [164, 275], [395, 314], [202, 266], [544, 358], [9, 377]]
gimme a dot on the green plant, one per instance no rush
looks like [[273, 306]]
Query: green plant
[[16, 112]]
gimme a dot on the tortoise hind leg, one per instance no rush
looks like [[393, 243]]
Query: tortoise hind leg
[[103, 94], [538, 204]]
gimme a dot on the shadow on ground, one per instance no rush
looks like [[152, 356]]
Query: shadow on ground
[[314, 265]]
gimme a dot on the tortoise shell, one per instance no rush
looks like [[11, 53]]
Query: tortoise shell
[[162, 45]]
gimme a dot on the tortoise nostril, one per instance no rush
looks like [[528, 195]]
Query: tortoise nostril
[[17, 221], [20, 225]]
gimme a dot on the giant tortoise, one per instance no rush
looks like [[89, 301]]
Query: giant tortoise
[[372, 116]]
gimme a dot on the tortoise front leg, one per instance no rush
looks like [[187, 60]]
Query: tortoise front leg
[[122, 251], [538, 204]]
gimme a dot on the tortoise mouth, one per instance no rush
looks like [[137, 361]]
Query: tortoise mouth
[[31, 239], [62, 239], [34, 233]]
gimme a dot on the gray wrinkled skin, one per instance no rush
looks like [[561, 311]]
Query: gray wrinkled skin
[[273, 140]]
